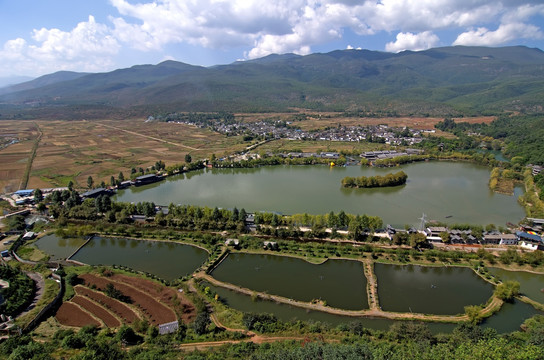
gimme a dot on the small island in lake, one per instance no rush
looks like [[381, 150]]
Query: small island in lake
[[390, 179]]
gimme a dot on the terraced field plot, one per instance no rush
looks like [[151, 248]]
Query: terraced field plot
[[147, 300]]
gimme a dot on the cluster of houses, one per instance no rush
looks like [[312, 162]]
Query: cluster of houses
[[140, 180], [23, 197], [389, 154], [284, 130], [525, 238], [369, 155]]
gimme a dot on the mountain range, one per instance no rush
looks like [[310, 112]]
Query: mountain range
[[439, 81]]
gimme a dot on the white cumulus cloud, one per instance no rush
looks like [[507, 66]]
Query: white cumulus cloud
[[504, 33], [280, 26], [87, 47], [408, 41], [259, 28]]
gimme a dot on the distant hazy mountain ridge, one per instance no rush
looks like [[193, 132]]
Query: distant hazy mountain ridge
[[436, 81]]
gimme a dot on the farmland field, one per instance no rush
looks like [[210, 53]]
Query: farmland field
[[75, 150], [147, 300], [14, 157]]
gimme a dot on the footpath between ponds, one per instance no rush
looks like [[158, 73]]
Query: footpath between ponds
[[374, 312]]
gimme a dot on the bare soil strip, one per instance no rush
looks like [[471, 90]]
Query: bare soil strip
[[97, 310], [118, 308], [174, 299], [156, 312], [70, 314], [150, 137], [26, 175]]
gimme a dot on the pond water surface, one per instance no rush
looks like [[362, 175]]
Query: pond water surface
[[167, 260], [341, 283], [531, 285], [57, 247], [429, 290]]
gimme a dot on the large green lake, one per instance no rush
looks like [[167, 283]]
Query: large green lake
[[342, 283], [167, 260], [445, 191]]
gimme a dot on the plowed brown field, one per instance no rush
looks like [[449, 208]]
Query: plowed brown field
[[97, 311], [70, 314], [174, 299], [118, 308], [155, 311]]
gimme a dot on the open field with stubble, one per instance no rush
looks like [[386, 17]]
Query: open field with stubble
[[75, 150], [14, 158], [320, 120]]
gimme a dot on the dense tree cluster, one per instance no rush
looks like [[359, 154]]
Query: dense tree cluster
[[18, 294], [274, 160], [202, 119], [390, 179], [521, 135], [404, 340], [399, 160]]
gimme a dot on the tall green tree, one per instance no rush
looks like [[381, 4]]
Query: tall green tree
[[38, 195], [201, 323], [90, 182]]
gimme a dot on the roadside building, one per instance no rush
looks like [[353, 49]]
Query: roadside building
[[147, 179], [94, 193], [29, 235], [435, 231], [168, 328], [529, 241], [499, 239]]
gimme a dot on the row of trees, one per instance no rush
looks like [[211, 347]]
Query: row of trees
[[390, 179]]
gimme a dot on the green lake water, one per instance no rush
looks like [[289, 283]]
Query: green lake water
[[167, 260], [341, 283], [531, 285], [445, 191], [429, 290], [510, 317]]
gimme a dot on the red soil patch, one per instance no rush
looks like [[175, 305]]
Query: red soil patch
[[176, 300], [156, 312], [97, 311], [118, 308], [70, 314]]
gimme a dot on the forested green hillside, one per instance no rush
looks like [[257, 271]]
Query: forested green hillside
[[441, 81]]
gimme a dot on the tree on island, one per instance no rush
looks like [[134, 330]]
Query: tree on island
[[390, 179], [507, 291]]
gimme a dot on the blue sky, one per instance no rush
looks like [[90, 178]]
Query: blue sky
[[43, 36]]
